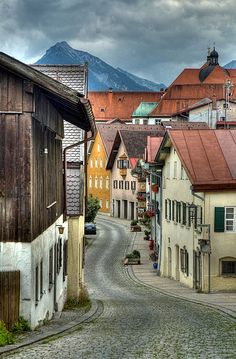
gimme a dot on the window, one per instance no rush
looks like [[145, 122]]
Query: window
[[127, 185], [133, 185], [101, 164], [136, 121], [59, 255], [115, 184], [228, 267], [175, 170], [96, 182], [182, 173], [184, 213], [96, 162], [100, 203], [90, 182], [107, 204], [157, 121], [184, 261], [107, 182], [145, 121], [122, 163], [120, 184], [36, 284], [91, 163], [188, 219], [41, 278], [50, 273], [169, 205], [168, 170], [230, 219], [173, 210], [65, 254], [101, 182], [99, 147], [166, 209]]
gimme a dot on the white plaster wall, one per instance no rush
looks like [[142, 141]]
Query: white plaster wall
[[173, 233], [119, 194], [25, 257]]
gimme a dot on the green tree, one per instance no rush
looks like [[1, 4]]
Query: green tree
[[92, 208]]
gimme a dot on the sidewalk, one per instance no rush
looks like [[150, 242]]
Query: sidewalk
[[144, 273]]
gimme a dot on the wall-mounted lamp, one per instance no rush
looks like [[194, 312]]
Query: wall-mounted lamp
[[60, 229]]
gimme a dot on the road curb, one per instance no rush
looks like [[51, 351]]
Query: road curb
[[95, 311], [134, 278]]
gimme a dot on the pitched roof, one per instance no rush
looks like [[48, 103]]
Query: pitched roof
[[184, 125], [208, 156], [187, 89], [108, 105], [153, 144], [73, 76], [68, 102], [130, 138], [108, 132], [144, 109]]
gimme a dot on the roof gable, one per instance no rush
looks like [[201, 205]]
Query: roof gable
[[208, 156]]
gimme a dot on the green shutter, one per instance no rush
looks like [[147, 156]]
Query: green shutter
[[219, 219]]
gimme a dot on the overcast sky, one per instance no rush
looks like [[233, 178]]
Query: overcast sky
[[154, 39]]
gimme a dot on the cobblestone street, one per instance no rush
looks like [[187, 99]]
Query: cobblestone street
[[137, 322]]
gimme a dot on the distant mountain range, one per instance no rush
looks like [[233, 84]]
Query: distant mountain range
[[230, 65], [101, 75]]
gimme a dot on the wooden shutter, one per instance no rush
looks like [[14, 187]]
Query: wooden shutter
[[219, 225]]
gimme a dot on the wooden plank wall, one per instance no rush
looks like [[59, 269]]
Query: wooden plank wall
[[47, 167], [10, 297], [15, 144], [30, 179]]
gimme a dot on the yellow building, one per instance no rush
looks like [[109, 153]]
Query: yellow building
[[198, 227], [98, 177]]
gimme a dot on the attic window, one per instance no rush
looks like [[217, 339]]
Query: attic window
[[102, 109], [120, 99]]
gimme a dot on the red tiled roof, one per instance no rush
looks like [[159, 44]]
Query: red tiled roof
[[153, 144], [177, 125], [209, 157], [108, 105], [187, 89]]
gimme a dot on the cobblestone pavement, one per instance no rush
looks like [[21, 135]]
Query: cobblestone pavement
[[136, 322]]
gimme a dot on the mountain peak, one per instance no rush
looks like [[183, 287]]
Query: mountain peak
[[102, 76]]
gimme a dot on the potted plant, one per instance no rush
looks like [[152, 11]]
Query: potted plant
[[134, 226], [132, 258]]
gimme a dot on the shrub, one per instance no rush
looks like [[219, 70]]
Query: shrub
[[5, 336], [21, 326], [92, 208], [134, 254], [134, 222]]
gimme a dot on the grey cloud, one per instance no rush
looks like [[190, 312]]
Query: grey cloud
[[153, 38]]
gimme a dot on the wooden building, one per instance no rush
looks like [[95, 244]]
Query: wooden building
[[32, 195]]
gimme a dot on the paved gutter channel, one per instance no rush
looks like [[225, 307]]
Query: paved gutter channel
[[95, 311]]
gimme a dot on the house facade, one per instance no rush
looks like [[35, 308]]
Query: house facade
[[198, 215], [75, 152], [124, 156], [34, 235], [98, 179]]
